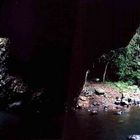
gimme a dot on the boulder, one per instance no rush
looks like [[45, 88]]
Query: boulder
[[124, 102], [117, 102], [88, 90], [99, 91], [83, 102], [106, 95], [83, 98]]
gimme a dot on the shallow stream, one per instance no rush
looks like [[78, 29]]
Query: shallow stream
[[103, 126]]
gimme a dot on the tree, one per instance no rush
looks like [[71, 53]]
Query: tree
[[128, 63], [126, 60], [107, 59]]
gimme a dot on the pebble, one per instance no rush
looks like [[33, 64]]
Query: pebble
[[118, 113], [93, 112]]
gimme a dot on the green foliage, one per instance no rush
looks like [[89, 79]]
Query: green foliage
[[126, 60], [122, 87]]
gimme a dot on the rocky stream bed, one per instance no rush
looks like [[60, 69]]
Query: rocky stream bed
[[96, 97]]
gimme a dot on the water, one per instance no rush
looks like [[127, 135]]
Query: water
[[104, 126], [79, 126], [17, 127], [8, 125]]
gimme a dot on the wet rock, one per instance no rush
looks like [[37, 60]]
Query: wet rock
[[106, 95], [99, 91], [83, 104], [105, 108], [130, 100], [94, 103], [118, 113], [117, 102], [118, 107], [117, 98], [133, 137], [93, 112], [88, 90], [79, 104], [91, 89], [125, 99], [83, 98], [78, 107], [15, 104], [124, 102]]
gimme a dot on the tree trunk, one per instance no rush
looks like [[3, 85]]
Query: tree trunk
[[86, 76], [104, 75]]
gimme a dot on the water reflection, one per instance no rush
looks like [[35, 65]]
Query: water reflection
[[104, 126]]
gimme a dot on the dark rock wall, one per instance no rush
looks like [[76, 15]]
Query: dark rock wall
[[54, 42]]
